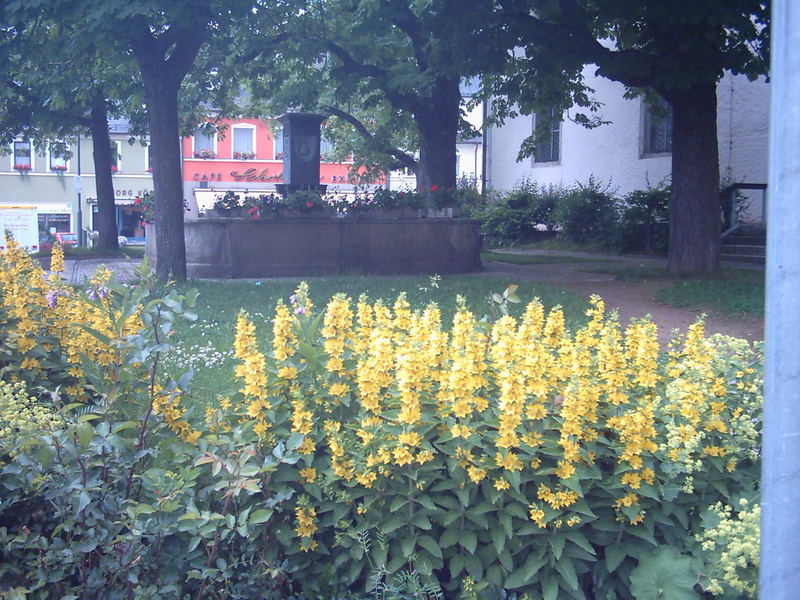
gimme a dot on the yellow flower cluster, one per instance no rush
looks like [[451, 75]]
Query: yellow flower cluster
[[22, 416], [252, 370], [45, 316], [167, 404], [734, 543], [383, 390]]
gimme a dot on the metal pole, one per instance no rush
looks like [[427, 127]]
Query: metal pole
[[780, 524], [81, 243]]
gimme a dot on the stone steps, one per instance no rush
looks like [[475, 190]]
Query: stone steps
[[746, 244]]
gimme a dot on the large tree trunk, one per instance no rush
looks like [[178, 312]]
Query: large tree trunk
[[101, 148], [165, 157], [437, 122], [694, 222]]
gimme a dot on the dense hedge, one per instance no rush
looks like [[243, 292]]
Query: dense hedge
[[370, 452], [589, 214]]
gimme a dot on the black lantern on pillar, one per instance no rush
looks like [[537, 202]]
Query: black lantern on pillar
[[301, 139]]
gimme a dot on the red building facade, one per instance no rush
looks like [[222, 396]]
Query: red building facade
[[244, 155]]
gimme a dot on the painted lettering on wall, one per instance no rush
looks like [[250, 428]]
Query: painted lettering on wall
[[251, 174], [207, 176], [131, 193]]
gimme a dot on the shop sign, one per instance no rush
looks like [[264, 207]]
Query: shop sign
[[252, 174]]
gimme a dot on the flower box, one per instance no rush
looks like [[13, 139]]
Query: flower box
[[22, 168], [205, 154], [58, 168]]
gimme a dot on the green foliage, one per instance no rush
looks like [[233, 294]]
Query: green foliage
[[730, 541], [665, 574], [589, 214], [22, 417], [645, 219], [512, 217]]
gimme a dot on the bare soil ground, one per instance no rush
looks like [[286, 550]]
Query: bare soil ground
[[632, 299]]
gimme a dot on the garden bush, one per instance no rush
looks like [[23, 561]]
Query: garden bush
[[589, 214], [512, 217], [370, 452], [645, 220]]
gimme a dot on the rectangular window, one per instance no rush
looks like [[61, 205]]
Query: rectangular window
[[325, 150], [116, 157], [243, 143], [657, 127], [204, 144], [23, 156], [548, 142], [148, 165], [278, 135], [58, 157]]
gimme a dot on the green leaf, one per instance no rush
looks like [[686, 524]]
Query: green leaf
[[550, 588], [567, 571], [615, 554], [498, 539], [519, 578], [262, 515], [577, 538], [449, 537], [664, 574], [429, 544], [557, 542], [456, 565], [407, 545], [469, 541]]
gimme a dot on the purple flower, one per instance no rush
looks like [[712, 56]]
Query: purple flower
[[52, 298], [292, 298], [300, 310]]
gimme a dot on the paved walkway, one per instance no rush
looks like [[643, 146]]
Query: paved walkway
[[77, 271]]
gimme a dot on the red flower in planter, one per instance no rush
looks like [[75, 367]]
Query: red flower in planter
[[434, 187], [22, 168], [114, 168]]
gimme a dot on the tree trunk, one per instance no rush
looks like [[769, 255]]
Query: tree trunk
[[165, 157], [101, 149], [437, 122], [694, 221]]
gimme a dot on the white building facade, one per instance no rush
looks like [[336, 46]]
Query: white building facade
[[633, 150]]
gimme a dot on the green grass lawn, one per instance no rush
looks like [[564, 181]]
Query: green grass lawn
[[206, 344], [724, 296], [534, 259]]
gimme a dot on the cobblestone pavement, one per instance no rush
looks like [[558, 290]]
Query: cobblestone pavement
[[78, 271]]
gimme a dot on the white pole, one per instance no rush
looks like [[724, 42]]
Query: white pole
[[780, 526]]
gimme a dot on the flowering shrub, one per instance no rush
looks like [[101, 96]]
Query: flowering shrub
[[228, 201], [22, 416], [370, 449], [147, 203], [520, 455], [733, 541]]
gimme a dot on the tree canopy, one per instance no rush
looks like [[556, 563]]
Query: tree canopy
[[677, 49]]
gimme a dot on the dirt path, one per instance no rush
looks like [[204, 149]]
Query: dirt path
[[631, 299]]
